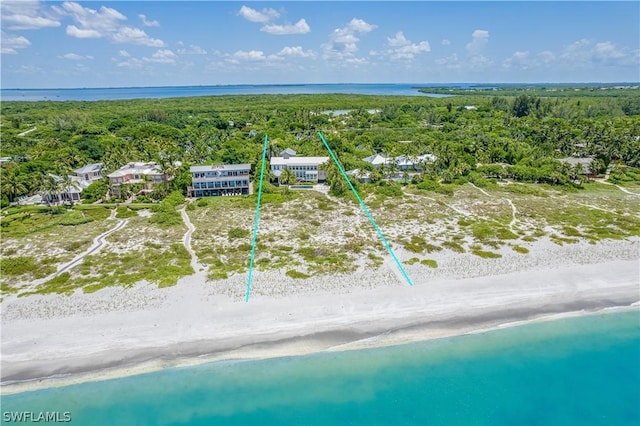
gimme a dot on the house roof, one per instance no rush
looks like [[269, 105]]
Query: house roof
[[89, 168], [220, 167], [377, 159], [288, 151], [402, 160], [585, 161], [137, 168], [298, 161]]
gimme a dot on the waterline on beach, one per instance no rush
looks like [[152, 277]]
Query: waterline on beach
[[500, 377]]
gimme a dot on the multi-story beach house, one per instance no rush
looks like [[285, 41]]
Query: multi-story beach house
[[306, 169], [148, 174], [89, 173], [219, 180]]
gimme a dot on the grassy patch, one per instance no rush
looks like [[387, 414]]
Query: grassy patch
[[412, 261], [429, 262], [237, 233], [452, 245], [486, 254], [124, 212], [520, 249], [297, 274]]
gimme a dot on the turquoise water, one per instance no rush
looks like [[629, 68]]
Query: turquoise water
[[577, 371], [111, 93]]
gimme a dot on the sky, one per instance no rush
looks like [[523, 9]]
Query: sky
[[179, 43]]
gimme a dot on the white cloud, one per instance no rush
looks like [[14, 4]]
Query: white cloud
[[124, 53], [300, 27], [398, 40], [451, 62], [71, 56], [148, 23], [400, 48], [74, 31], [26, 15], [296, 52], [253, 15], [192, 50], [105, 22], [446, 42], [135, 36], [519, 59], [360, 26], [480, 39], [163, 56], [343, 42], [12, 42], [252, 56], [130, 63], [608, 50]]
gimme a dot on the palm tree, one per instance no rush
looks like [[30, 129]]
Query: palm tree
[[12, 186], [51, 188], [287, 177], [66, 185]]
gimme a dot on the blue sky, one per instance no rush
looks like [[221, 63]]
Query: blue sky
[[174, 43]]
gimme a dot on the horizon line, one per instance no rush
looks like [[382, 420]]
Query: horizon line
[[418, 85]]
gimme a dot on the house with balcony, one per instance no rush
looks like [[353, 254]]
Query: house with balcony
[[89, 173], [220, 180], [147, 174], [306, 169]]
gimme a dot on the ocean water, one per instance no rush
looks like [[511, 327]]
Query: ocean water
[[112, 93], [574, 371]]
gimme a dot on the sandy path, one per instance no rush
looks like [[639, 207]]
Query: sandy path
[[514, 210], [625, 190], [97, 244], [186, 240], [26, 132]]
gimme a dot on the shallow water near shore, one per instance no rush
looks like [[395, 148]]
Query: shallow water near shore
[[580, 370]]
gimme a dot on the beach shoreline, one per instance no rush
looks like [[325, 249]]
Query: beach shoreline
[[190, 324]]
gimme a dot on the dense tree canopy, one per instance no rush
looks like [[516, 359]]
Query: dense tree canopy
[[520, 136]]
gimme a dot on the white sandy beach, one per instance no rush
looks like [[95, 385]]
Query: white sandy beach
[[117, 331]]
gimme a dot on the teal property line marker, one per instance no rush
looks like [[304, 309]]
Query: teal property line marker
[[366, 211], [255, 221]]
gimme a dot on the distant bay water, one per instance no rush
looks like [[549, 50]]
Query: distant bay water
[[114, 93], [573, 371]]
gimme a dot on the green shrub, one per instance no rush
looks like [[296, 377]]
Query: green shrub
[[124, 212], [428, 185], [238, 233], [430, 263], [17, 265], [452, 245], [486, 254], [520, 249], [296, 274], [202, 202]]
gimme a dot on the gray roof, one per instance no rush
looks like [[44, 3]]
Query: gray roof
[[287, 151], [96, 167], [585, 161], [212, 167]]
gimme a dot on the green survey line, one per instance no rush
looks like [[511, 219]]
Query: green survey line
[[366, 211], [254, 238]]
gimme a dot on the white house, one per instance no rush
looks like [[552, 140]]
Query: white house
[[146, 173], [402, 162], [306, 169]]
